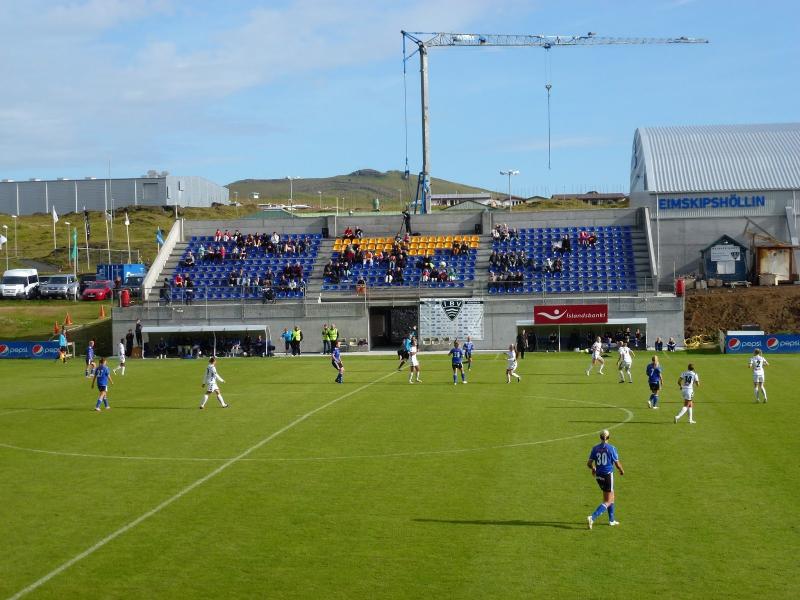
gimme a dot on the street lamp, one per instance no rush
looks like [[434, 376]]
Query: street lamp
[[16, 253], [509, 172], [5, 227], [291, 192]]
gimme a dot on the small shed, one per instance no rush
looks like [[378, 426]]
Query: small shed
[[725, 259]]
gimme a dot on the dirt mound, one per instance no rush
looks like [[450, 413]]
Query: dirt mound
[[774, 309]]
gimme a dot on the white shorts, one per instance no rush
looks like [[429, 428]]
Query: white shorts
[[758, 378], [626, 366], [512, 365], [212, 387], [122, 359], [687, 393], [414, 361], [596, 356]]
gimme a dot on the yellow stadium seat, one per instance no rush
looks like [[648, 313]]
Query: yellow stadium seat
[[473, 244]]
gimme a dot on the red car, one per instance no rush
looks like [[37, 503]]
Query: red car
[[98, 290]]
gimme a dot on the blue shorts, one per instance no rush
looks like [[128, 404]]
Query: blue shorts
[[102, 388], [458, 366], [467, 355]]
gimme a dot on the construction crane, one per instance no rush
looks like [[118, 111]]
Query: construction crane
[[421, 42]]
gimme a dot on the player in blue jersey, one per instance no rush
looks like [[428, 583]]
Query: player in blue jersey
[[102, 375], [655, 380], [457, 356], [602, 460], [336, 362], [469, 348], [89, 371]]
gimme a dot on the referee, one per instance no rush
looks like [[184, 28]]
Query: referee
[[602, 460]]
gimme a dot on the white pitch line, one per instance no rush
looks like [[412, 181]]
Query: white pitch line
[[419, 453], [125, 528]]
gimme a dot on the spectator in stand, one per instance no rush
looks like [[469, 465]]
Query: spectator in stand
[[358, 233], [165, 293], [221, 252], [189, 260], [188, 284], [671, 345], [558, 265], [557, 245], [566, 244], [178, 281], [592, 240], [548, 265], [218, 236], [583, 238], [389, 276], [348, 233]]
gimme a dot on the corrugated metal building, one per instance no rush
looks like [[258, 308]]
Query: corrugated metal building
[[71, 195], [702, 182]]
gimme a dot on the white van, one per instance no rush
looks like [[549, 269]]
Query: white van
[[20, 283]]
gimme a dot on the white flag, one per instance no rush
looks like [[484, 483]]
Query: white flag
[[55, 215], [3, 240], [108, 216], [127, 220]]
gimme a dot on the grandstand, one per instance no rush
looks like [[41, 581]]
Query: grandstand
[[605, 266], [457, 268], [616, 271]]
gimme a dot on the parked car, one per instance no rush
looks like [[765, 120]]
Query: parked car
[[85, 280], [59, 286], [133, 283], [20, 283], [98, 290]]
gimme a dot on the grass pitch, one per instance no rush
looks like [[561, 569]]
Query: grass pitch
[[381, 489]]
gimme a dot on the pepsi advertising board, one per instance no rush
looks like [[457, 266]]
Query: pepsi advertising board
[[769, 344], [29, 350]]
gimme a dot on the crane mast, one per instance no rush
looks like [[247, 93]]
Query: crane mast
[[421, 42]]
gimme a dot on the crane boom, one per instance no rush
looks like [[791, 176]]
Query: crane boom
[[424, 41]]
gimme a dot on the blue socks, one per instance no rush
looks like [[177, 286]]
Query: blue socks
[[655, 400], [599, 511], [611, 513], [455, 378]]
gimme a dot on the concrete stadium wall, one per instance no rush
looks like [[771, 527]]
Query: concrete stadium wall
[[664, 316]]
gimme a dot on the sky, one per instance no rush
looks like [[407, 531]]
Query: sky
[[244, 89]]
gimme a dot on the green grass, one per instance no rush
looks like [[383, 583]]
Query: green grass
[[393, 490], [35, 319]]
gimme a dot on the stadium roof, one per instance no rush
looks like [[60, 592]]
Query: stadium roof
[[716, 158]]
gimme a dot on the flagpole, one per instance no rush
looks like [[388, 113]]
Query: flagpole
[[108, 240], [69, 256], [86, 234], [55, 245], [128, 237]]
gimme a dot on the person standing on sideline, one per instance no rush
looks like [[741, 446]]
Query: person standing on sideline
[[103, 378], [121, 356], [287, 341], [757, 363], [413, 351], [333, 335], [62, 346], [625, 362], [336, 362], [469, 348], [456, 355], [602, 460], [687, 382], [129, 342], [511, 365], [297, 337], [597, 357], [522, 343], [138, 333], [326, 343], [655, 380], [89, 371], [210, 384]]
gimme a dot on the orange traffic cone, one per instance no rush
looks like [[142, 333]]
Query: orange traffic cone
[[55, 328], [68, 320], [102, 312]]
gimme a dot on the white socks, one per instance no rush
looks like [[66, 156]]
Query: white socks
[[683, 412]]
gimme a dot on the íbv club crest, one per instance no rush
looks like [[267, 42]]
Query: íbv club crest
[[452, 308]]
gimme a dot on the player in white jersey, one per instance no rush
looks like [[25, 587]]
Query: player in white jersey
[[414, 368], [511, 365], [687, 381], [597, 357], [625, 362], [757, 363], [121, 356], [210, 383]]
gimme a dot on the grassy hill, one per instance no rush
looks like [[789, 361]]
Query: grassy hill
[[355, 191]]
